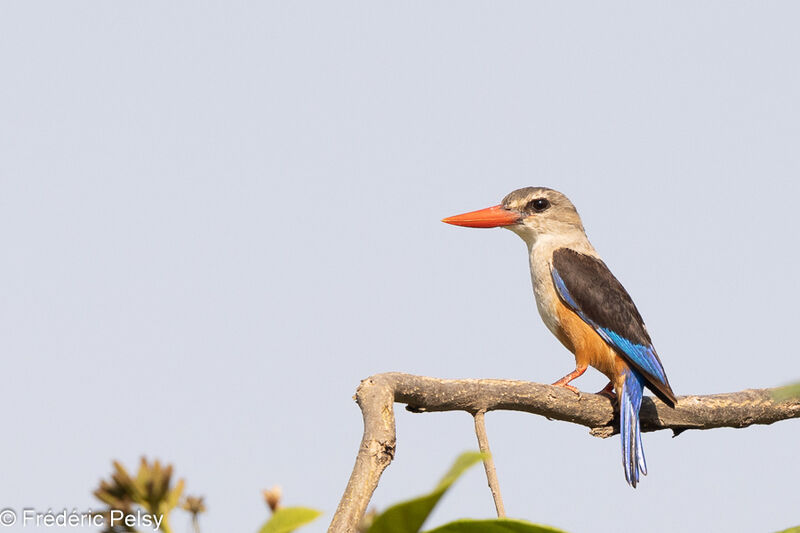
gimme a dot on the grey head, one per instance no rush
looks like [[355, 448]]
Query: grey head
[[542, 211], [532, 213]]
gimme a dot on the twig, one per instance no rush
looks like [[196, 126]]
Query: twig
[[488, 463], [376, 395]]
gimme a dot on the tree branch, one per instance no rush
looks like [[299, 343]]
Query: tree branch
[[377, 394], [488, 463]]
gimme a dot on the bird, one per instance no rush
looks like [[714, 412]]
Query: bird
[[584, 306]]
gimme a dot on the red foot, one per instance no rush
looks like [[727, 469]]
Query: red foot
[[608, 391], [564, 382], [566, 386]]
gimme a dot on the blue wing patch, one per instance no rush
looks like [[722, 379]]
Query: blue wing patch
[[643, 357]]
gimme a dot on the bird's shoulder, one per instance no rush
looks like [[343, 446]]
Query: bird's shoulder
[[598, 295]]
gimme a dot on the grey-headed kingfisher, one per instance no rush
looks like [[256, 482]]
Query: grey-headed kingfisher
[[583, 305]]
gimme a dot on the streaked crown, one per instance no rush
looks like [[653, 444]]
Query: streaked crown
[[542, 211]]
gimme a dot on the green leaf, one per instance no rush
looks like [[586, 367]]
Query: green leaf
[[288, 519], [408, 516], [795, 529], [500, 525], [786, 393]]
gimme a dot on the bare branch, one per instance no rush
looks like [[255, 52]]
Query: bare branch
[[377, 394], [488, 463]]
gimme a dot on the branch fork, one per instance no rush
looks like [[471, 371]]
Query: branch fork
[[377, 394]]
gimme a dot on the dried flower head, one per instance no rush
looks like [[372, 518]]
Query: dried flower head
[[272, 497]]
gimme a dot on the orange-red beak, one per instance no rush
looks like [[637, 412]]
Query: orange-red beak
[[491, 217]]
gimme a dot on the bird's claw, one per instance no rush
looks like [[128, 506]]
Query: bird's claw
[[608, 392], [610, 395], [568, 387]]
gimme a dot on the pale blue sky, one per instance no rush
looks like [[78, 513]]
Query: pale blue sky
[[218, 217]]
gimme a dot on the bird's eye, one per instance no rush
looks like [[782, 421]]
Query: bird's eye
[[538, 204]]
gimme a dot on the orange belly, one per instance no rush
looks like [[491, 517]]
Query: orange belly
[[589, 348]]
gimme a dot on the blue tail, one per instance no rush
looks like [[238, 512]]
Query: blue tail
[[630, 400]]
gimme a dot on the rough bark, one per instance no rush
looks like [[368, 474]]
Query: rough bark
[[377, 394]]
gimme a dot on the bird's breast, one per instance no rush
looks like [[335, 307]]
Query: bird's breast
[[547, 299], [577, 336]]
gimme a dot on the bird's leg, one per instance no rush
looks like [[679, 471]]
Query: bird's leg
[[608, 391], [564, 382]]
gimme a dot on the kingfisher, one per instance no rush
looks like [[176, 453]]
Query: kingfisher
[[584, 306]]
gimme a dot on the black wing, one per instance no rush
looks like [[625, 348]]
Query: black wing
[[587, 286]]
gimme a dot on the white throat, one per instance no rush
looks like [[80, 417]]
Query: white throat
[[540, 255]]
